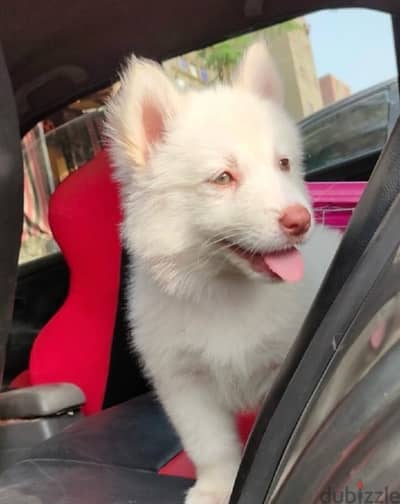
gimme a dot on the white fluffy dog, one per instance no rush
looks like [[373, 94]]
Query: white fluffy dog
[[216, 219]]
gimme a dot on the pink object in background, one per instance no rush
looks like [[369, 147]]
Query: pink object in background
[[334, 202]]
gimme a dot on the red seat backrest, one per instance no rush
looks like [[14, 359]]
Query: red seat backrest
[[75, 345]]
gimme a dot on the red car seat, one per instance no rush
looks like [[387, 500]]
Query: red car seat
[[76, 344]]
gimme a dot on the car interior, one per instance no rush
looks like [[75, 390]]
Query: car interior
[[79, 422]]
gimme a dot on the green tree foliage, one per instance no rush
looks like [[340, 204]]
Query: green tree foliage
[[223, 57]]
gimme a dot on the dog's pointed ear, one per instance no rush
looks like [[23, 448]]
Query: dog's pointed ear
[[137, 115], [257, 73]]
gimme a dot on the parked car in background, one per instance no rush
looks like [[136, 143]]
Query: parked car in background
[[344, 140]]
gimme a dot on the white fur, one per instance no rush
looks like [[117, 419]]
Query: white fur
[[210, 330]]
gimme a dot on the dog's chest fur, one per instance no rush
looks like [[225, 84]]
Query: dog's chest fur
[[235, 339]]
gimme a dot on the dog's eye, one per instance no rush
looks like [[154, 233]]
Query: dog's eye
[[223, 178], [284, 164]]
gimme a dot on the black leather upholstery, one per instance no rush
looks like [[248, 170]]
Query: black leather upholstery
[[75, 482], [11, 204], [110, 458], [125, 378], [135, 434], [42, 287]]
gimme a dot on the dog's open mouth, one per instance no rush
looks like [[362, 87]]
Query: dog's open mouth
[[286, 265]]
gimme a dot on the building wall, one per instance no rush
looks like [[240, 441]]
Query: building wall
[[281, 50], [292, 52], [333, 89]]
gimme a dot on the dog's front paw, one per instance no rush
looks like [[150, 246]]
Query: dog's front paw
[[202, 495], [215, 488]]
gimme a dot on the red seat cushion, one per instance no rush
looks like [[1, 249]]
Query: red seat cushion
[[75, 345], [181, 465]]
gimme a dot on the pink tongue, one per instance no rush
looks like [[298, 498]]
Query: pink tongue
[[287, 265]]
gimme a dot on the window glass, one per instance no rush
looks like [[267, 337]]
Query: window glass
[[364, 351], [51, 153], [340, 85], [342, 133]]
